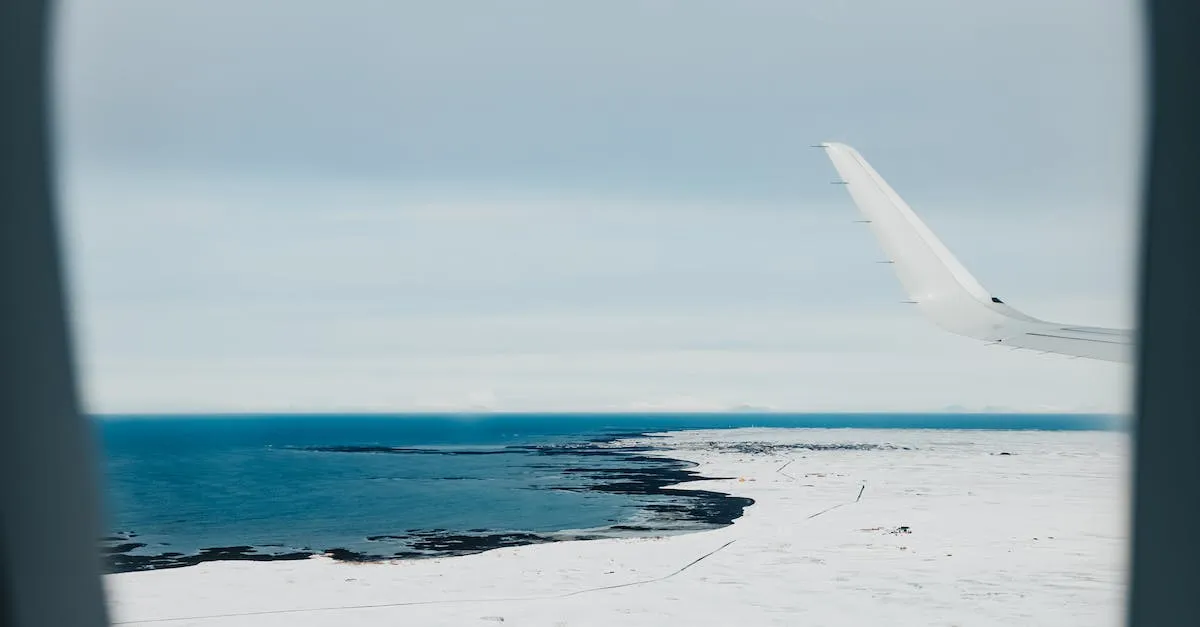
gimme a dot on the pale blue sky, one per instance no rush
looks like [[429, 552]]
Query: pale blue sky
[[591, 206]]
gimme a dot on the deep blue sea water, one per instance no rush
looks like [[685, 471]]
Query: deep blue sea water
[[177, 485]]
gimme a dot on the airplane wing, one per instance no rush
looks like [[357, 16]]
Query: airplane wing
[[941, 287]]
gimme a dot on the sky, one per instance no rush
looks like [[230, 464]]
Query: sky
[[552, 206]]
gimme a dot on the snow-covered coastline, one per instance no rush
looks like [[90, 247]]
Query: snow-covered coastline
[[952, 528]]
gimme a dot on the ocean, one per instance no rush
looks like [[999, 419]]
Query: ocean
[[181, 490]]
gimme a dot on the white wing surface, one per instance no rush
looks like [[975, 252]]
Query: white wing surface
[[943, 289]]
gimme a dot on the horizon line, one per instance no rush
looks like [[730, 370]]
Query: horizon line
[[613, 412]]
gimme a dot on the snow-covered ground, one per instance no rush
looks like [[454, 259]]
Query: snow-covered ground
[[1035, 537]]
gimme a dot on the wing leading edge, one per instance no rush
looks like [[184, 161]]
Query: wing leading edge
[[944, 290]]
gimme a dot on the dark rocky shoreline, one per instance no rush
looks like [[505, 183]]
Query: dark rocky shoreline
[[634, 474]]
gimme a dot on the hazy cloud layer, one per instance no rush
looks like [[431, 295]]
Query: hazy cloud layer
[[547, 205]]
